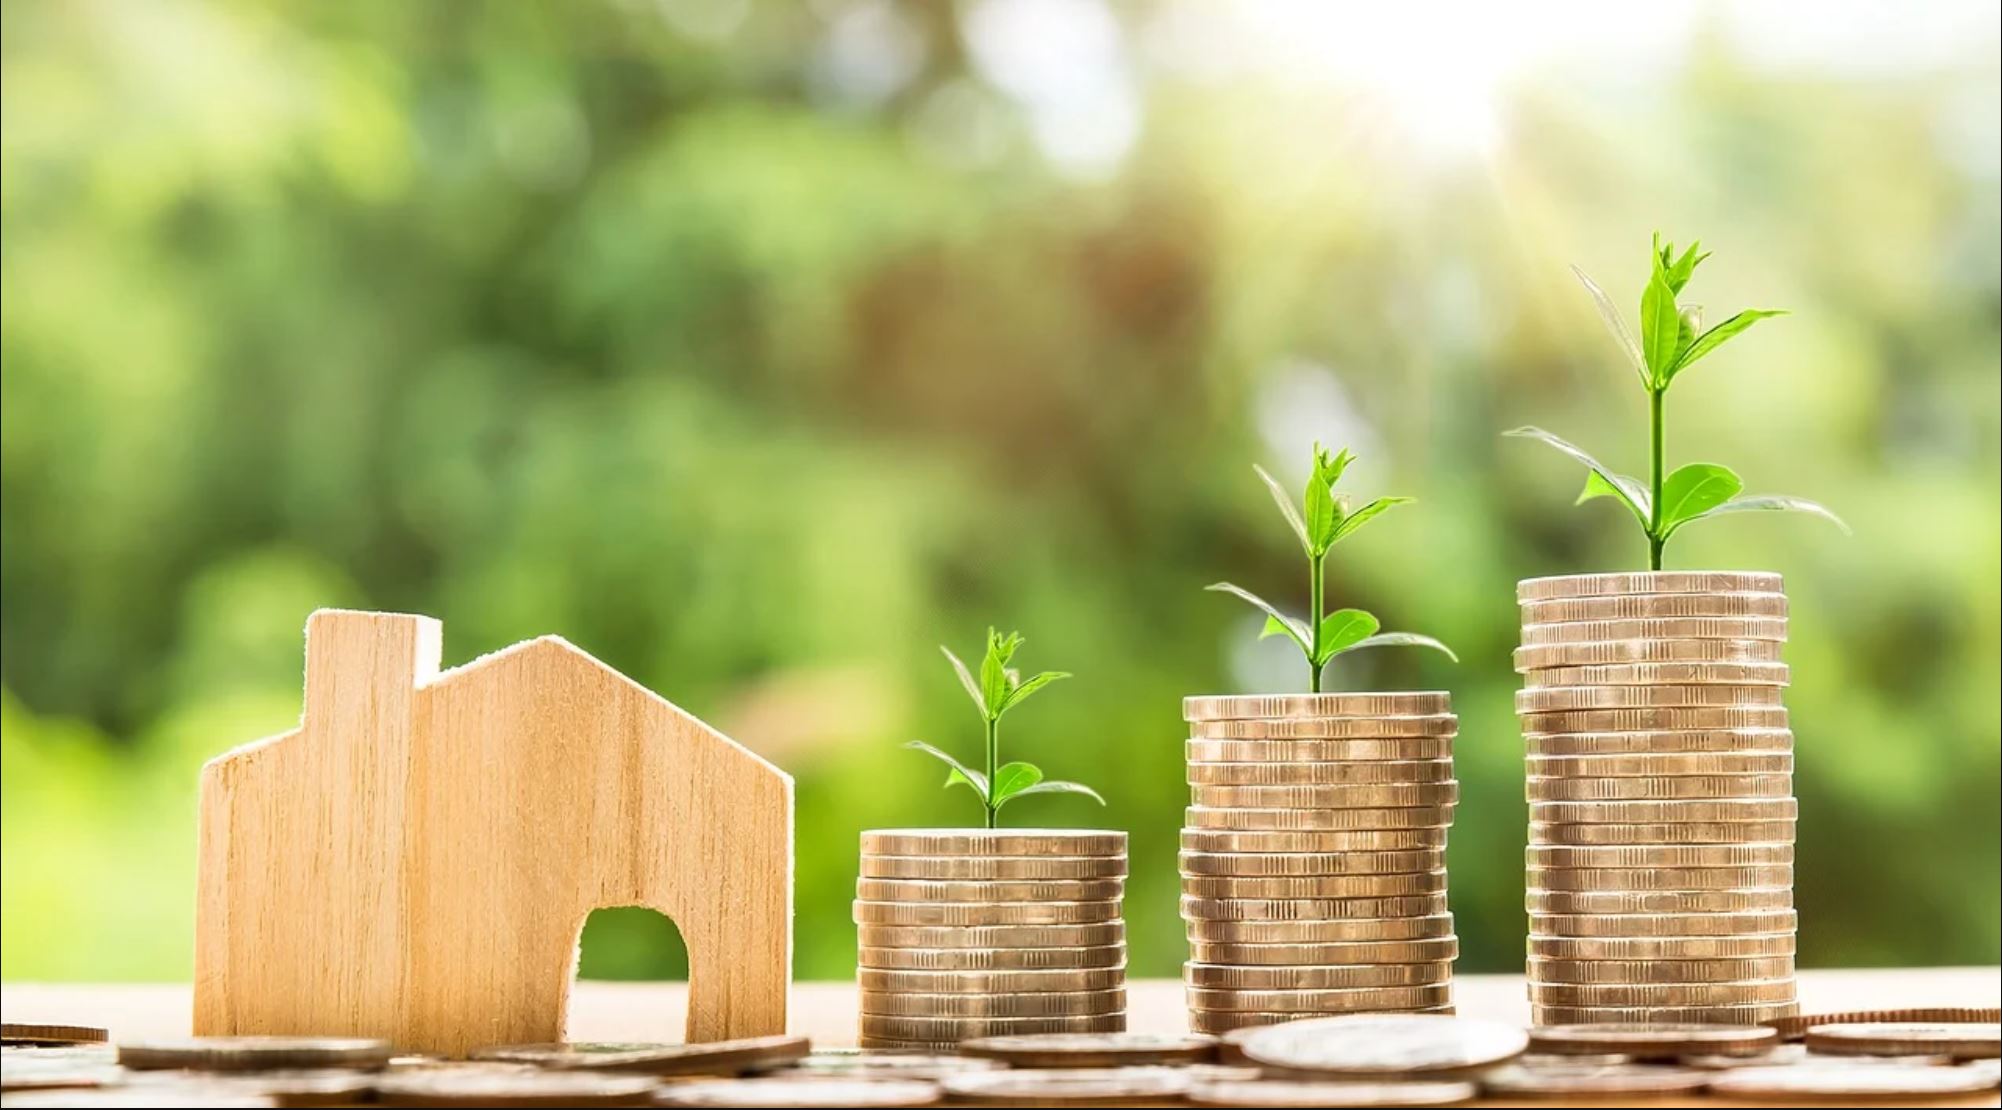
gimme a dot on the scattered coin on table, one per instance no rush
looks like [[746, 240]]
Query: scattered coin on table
[[1654, 1041], [1074, 1086], [1795, 1026], [1960, 1040], [1283, 1092], [254, 1053], [509, 1085], [1092, 1050], [26, 1033], [1579, 1081], [1385, 1044], [58, 1067], [773, 1092], [707, 1058], [1845, 1081], [862, 1063]]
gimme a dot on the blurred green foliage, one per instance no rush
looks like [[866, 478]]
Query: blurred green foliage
[[759, 373]]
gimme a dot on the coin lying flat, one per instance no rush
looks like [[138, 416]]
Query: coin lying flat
[[989, 891], [1653, 1041], [1644, 812], [1654, 766], [1313, 886], [1438, 950], [1234, 1023], [1658, 901], [1310, 909], [1327, 728], [1660, 878], [1546, 970], [1658, 742], [1774, 1055], [1640, 606], [974, 913], [832, 1092], [1322, 931], [1660, 855], [254, 1053], [45, 1067], [1795, 1026], [505, 1085], [852, 1063], [1662, 948], [1403, 749], [1008, 1005], [1092, 1050], [1385, 1044], [1662, 994], [1647, 674], [1661, 719], [25, 1033], [1105, 957], [1701, 924], [980, 868], [1321, 977], [991, 982], [1270, 1092], [1578, 1081], [1661, 832], [1314, 840], [1802, 1083], [951, 1030], [1328, 1001], [1656, 628], [1072, 1086], [707, 1058], [1311, 863], [1554, 699], [1648, 582], [1601, 653], [1320, 795], [1244, 706], [1753, 1013], [993, 842], [992, 936], [1960, 1040], [1255, 820], [1352, 772], [1543, 788]]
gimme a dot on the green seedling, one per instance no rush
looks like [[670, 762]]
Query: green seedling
[[1323, 520], [999, 689], [1672, 339]]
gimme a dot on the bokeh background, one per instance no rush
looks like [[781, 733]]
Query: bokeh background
[[761, 347]]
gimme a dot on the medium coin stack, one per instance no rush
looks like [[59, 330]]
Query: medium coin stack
[[1661, 808], [969, 933], [1314, 856]]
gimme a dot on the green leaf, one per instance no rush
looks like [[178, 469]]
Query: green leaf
[[1022, 690], [1274, 627], [1054, 786], [1695, 489], [960, 772], [1362, 516], [1716, 337], [1323, 515], [1624, 488], [966, 680], [1290, 626], [1331, 467], [1285, 505], [1342, 630], [1402, 639], [1596, 486], [994, 684], [1661, 327], [1611, 315], [1680, 270], [1772, 503], [1011, 779]]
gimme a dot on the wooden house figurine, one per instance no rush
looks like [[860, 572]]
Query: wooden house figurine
[[416, 860]]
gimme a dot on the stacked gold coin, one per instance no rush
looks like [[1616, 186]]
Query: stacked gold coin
[[987, 932], [1314, 856], [1660, 780]]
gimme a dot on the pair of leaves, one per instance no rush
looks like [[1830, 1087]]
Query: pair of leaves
[[1323, 520], [1343, 630], [999, 687], [1011, 780], [1672, 337]]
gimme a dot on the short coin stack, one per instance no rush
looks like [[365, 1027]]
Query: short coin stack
[[1313, 858], [969, 933], [1660, 783]]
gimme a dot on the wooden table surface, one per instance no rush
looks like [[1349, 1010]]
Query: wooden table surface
[[826, 1011]]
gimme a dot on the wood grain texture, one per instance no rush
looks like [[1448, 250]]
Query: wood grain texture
[[417, 859]]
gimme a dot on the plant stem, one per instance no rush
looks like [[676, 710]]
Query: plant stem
[[1654, 536], [993, 758], [1316, 591]]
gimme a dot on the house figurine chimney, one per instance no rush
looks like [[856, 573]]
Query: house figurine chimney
[[363, 669]]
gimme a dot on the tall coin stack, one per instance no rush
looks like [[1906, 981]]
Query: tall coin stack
[[982, 932], [1660, 781], [1313, 860]]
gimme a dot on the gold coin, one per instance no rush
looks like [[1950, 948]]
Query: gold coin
[[1558, 699], [1659, 742], [1697, 924], [992, 936], [990, 959], [1820, 1086], [1543, 788], [1254, 820], [1654, 674], [1656, 628], [1234, 1022], [951, 1030], [1794, 1027], [1661, 855], [1311, 863], [1292, 774], [1658, 901], [28, 1033], [1436, 950], [1005, 1005], [1312, 886], [1662, 994], [1326, 795], [1321, 1001], [989, 892], [1662, 948], [1644, 1041], [1734, 1014], [993, 842], [1433, 726], [974, 913], [1648, 582], [982, 868], [253, 1053], [1545, 970], [708, 1058], [1962, 1040], [1239, 707], [1070, 1086], [991, 982], [1323, 931], [1579, 1081], [1599, 653], [1657, 719], [1310, 909], [1660, 878], [1563, 610], [1663, 833], [1093, 1050], [1633, 766], [1308, 753], [1722, 810], [1320, 977], [1314, 841]]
